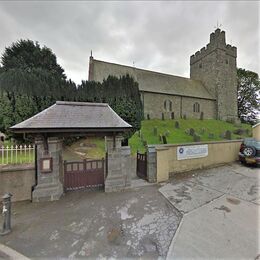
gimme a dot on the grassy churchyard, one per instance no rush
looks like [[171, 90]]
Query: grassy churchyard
[[186, 131], [152, 132]]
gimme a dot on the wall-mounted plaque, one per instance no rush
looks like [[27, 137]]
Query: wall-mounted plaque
[[192, 151], [46, 165]]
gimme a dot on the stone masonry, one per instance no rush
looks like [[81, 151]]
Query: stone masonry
[[212, 83], [216, 67], [118, 168], [49, 184]]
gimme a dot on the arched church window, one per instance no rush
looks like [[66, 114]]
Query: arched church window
[[196, 107], [168, 105]]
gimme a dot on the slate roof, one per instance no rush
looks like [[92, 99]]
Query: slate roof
[[67, 116], [152, 81]]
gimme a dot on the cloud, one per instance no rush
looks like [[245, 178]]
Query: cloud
[[159, 36]]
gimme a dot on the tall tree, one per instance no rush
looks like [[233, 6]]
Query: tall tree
[[29, 68], [248, 95]]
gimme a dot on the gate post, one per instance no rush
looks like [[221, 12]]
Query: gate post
[[49, 170], [126, 164], [151, 164], [116, 177]]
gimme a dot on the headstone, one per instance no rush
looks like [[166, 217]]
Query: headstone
[[211, 136], [164, 139], [167, 133], [172, 115], [177, 125], [201, 116], [196, 138], [184, 116], [202, 131], [148, 117], [240, 131], [155, 132], [228, 135], [192, 131], [187, 131], [162, 116]]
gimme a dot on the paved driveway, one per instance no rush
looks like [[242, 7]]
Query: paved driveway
[[215, 212], [221, 208], [139, 222]]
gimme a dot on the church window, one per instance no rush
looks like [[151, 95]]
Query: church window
[[196, 107], [168, 105]]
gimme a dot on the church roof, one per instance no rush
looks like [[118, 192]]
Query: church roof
[[66, 116], [151, 81]]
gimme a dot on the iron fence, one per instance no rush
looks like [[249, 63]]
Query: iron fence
[[15, 154]]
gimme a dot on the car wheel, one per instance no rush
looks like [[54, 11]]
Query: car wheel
[[249, 151]]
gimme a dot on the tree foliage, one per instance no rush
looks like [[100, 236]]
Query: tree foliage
[[32, 80], [248, 95]]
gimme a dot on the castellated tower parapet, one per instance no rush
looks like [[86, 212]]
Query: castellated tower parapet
[[217, 40], [215, 66]]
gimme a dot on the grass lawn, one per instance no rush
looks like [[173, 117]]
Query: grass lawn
[[174, 136], [94, 148], [89, 148]]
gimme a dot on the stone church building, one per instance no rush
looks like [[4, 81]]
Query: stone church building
[[211, 88]]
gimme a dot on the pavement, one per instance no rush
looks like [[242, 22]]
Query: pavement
[[221, 213], [133, 223], [202, 214]]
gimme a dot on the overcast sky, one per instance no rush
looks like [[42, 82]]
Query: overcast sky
[[158, 36]]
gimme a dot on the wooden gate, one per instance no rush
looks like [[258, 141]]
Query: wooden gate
[[141, 165], [83, 174]]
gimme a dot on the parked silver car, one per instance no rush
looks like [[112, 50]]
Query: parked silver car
[[250, 151]]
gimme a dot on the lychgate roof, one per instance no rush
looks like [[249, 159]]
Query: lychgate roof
[[66, 116]]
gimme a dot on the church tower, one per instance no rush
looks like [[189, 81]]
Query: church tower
[[215, 65]]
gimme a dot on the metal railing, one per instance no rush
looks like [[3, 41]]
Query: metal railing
[[15, 154]]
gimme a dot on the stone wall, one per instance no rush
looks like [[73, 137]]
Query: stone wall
[[18, 180], [216, 67], [220, 152], [154, 106]]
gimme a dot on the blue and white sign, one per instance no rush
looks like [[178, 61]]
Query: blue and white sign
[[192, 151]]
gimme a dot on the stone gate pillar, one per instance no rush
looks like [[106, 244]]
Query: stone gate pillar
[[49, 170], [117, 164]]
